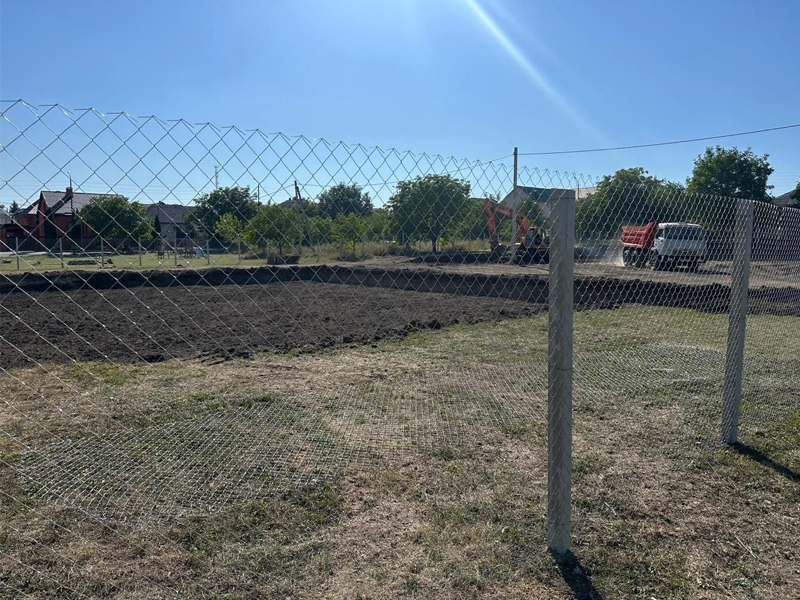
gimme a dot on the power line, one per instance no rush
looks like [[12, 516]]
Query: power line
[[700, 139]]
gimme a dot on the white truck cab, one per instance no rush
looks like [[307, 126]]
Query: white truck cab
[[678, 244]]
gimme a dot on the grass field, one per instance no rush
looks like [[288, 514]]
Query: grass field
[[233, 256], [408, 468]]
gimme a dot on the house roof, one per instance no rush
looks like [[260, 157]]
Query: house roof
[[790, 198], [65, 203], [62, 203], [293, 202], [169, 213]]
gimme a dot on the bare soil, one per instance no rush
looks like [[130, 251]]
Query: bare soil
[[153, 324]]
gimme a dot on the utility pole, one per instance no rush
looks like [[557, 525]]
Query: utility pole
[[514, 212], [258, 194], [298, 203]]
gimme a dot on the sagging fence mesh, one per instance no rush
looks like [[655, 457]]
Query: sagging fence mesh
[[195, 318]]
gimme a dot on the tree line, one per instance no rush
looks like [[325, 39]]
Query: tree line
[[632, 196], [439, 208], [431, 208]]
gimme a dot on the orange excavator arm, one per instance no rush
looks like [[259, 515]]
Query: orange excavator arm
[[490, 210]]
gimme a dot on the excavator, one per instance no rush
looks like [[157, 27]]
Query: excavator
[[532, 241]]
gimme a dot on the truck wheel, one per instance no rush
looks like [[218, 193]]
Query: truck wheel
[[626, 257], [655, 262]]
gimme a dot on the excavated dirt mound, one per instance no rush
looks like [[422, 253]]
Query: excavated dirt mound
[[153, 324]]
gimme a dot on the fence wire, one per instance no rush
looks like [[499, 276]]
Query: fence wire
[[195, 318]]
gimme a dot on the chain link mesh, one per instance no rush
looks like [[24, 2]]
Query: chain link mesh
[[197, 317]]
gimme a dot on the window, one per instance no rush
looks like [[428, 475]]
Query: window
[[684, 233]]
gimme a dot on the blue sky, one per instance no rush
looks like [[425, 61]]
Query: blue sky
[[470, 78]]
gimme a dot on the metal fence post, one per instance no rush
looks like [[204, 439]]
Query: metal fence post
[[61, 250], [559, 393], [175, 247], [734, 356], [208, 253], [16, 250], [238, 251], [140, 251], [102, 254]]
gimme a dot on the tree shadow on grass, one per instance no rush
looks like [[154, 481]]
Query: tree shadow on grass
[[765, 460], [576, 577]]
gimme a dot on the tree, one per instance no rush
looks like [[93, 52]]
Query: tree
[[628, 197], [344, 198], [732, 173], [229, 227], [472, 224], [272, 225], [348, 228], [795, 196], [14, 208], [429, 207], [236, 201], [321, 228], [379, 224], [115, 217]]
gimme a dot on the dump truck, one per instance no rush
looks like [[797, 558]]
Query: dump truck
[[531, 242], [664, 245]]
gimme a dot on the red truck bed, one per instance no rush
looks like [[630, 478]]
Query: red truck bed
[[639, 236]]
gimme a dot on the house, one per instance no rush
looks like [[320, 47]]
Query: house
[[41, 224], [789, 199], [544, 196], [172, 220]]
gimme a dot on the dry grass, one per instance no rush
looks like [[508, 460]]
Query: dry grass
[[426, 470]]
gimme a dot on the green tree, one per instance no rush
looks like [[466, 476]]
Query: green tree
[[628, 197], [272, 225], [321, 228], [344, 198], [14, 208], [795, 196], [732, 173], [116, 217], [379, 224], [236, 201], [348, 229], [472, 224], [229, 227], [429, 207]]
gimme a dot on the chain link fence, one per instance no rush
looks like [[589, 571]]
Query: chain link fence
[[195, 318]]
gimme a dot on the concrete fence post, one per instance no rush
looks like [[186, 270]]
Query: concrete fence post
[[514, 202], [734, 356], [559, 393]]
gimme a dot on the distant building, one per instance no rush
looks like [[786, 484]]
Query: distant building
[[27, 229], [172, 220], [789, 199], [29, 224]]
